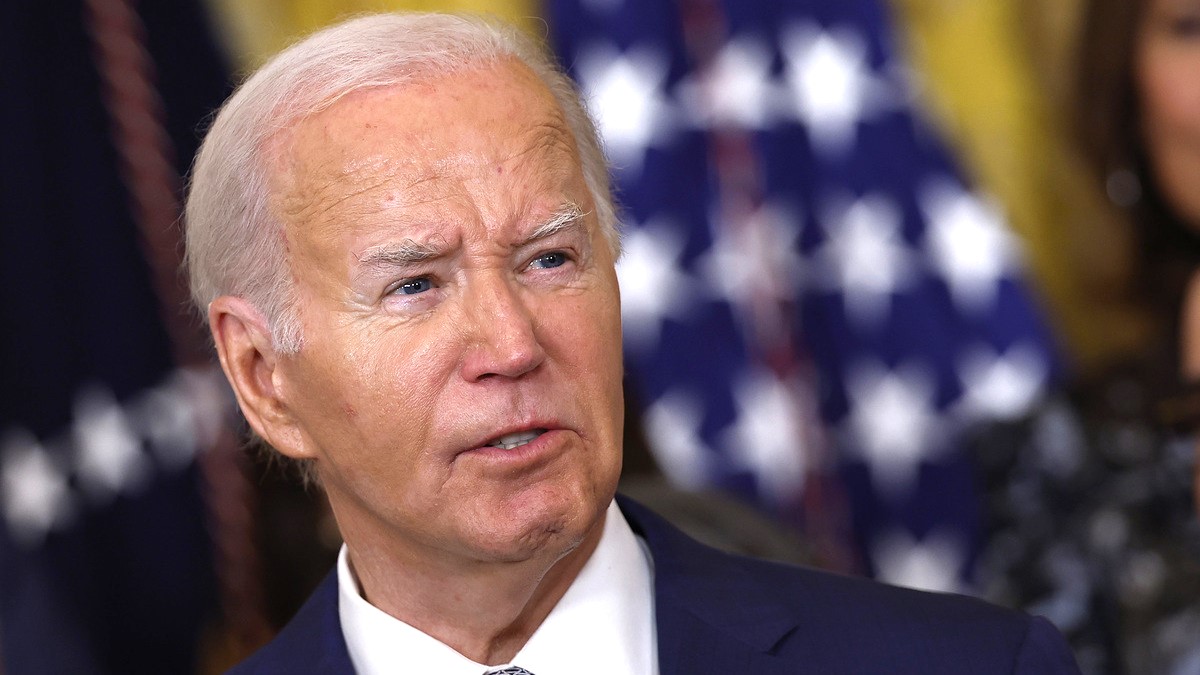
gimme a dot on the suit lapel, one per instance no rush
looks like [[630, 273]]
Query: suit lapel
[[312, 642], [712, 614], [687, 644]]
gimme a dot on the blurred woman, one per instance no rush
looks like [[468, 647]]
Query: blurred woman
[[1091, 516]]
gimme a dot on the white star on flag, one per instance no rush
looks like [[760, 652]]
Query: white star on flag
[[893, 420], [756, 258], [865, 258], [625, 94], [830, 84], [36, 496], [737, 90], [109, 454], [167, 416], [1001, 385], [968, 243], [653, 287], [768, 434], [672, 426], [931, 564]]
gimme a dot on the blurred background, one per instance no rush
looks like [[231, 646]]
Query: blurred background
[[890, 309]]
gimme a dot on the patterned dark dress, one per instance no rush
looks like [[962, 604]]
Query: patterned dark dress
[[1091, 523]]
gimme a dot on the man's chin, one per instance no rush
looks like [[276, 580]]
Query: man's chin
[[549, 532]]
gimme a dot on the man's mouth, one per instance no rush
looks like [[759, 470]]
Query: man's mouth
[[515, 440]]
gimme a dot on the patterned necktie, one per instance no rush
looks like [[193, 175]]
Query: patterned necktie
[[510, 670]]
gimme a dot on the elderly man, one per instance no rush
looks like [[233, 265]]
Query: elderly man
[[402, 232]]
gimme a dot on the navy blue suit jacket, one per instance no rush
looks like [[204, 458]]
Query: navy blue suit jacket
[[719, 613]]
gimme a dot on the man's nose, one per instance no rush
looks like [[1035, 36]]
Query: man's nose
[[502, 337]]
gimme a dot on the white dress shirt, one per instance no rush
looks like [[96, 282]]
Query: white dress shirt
[[603, 624]]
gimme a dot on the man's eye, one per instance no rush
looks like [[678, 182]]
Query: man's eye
[[548, 260], [414, 286]]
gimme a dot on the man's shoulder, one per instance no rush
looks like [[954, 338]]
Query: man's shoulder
[[854, 599], [851, 624], [778, 616], [847, 605], [311, 642]]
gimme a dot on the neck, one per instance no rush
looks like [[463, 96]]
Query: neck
[[485, 611]]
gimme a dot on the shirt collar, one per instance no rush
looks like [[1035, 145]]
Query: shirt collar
[[603, 624]]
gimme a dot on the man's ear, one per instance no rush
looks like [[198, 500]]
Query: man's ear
[[252, 366]]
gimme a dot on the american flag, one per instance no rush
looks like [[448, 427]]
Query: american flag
[[106, 555], [816, 306]]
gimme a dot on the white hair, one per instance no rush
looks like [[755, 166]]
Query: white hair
[[235, 245]]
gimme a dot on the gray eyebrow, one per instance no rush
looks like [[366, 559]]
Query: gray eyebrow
[[570, 215], [396, 254], [409, 252]]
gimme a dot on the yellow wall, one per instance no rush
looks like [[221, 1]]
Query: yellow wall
[[998, 76], [253, 30]]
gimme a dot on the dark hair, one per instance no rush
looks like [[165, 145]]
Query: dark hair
[[1107, 111]]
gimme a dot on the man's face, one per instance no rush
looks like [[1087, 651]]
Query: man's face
[[455, 294]]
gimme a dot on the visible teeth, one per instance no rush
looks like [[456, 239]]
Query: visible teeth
[[510, 441]]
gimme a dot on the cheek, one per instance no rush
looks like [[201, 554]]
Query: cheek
[[589, 323], [368, 398], [1169, 80], [377, 449], [399, 381], [589, 340]]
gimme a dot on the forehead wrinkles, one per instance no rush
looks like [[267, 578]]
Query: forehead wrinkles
[[307, 187], [548, 146], [307, 191], [328, 166], [312, 192]]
